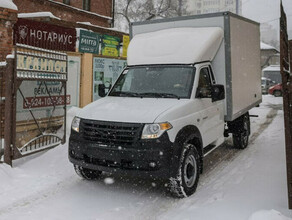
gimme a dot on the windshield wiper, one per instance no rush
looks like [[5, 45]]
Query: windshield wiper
[[125, 94], [160, 95]]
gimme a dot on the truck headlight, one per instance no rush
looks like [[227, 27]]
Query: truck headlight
[[152, 131], [75, 124]]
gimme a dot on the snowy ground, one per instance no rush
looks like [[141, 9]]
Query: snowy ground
[[236, 184]]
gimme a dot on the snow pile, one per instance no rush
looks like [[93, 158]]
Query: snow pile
[[268, 215], [8, 4]]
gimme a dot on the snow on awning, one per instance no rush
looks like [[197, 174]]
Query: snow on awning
[[45, 14], [175, 46]]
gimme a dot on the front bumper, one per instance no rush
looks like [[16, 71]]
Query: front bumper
[[152, 158]]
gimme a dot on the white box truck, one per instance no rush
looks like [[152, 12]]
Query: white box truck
[[190, 81]]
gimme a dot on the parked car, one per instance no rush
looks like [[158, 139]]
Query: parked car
[[276, 90], [266, 84]]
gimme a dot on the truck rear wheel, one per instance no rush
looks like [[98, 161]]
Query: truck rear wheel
[[240, 138], [86, 173], [186, 181]]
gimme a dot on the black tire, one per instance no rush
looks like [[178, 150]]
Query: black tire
[[86, 173], [186, 181], [240, 138], [277, 93]]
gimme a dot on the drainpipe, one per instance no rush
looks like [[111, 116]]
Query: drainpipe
[[113, 13]]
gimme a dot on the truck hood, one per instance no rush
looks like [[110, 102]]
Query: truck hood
[[128, 109]]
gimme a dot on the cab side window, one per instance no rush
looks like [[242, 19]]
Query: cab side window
[[205, 85]]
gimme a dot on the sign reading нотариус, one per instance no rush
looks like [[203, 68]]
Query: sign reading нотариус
[[43, 35]]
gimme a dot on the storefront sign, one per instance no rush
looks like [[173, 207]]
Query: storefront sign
[[44, 35], [89, 42], [40, 64], [110, 46], [105, 71], [126, 41]]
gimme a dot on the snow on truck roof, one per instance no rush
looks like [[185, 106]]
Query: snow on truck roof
[[175, 46]]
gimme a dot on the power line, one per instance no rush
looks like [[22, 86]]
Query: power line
[[274, 19]]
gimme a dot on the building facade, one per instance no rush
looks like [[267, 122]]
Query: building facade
[[212, 6], [97, 12], [269, 55]]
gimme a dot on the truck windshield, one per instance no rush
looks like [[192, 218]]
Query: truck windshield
[[155, 82]]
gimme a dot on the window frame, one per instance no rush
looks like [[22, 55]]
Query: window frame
[[67, 2], [211, 82], [86, 5]]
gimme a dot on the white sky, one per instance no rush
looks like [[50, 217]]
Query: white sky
[[267, 11]]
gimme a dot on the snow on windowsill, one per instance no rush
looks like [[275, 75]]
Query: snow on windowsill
[[3, 63], [10, 56]]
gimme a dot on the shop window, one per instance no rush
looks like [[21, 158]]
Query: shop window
[[86, 5], [67, 2]]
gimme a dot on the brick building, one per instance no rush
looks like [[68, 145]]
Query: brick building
[[97, 12]]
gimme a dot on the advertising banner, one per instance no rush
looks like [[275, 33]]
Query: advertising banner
[[43, 35], [110, 46], [89, 42], [105, 71], [126, 41]]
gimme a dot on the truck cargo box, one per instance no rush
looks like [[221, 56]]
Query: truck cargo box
[[236, 64]]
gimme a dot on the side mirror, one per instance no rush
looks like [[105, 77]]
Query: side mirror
[[101, 90], [218, 93]]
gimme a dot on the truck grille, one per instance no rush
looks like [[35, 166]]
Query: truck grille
[[111, 133]]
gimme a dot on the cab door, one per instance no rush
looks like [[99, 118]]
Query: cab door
[[212, 115]]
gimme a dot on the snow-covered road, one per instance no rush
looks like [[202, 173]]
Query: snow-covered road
[[236, 184]]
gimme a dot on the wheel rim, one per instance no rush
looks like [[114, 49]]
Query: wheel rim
[[190, 170], [277, 93]]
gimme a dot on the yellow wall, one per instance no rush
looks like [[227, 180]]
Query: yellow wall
[[86, 79]]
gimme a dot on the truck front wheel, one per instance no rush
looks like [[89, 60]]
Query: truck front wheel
[[240, 138], [86, 173], [186, 181]]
